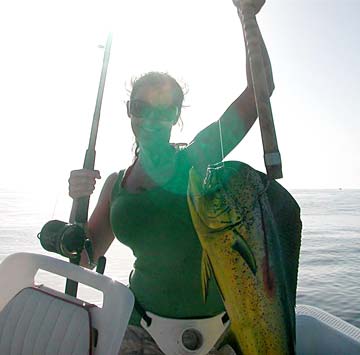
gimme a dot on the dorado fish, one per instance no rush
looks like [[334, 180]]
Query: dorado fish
[[250, 230]]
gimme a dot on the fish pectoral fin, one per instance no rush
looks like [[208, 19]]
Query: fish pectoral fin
[[206, 271], [241, 246]]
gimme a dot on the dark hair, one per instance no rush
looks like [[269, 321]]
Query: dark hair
[[157, 79]]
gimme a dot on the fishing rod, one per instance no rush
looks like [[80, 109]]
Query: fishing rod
[[70, 239], [80, 215], [80, 210], [272, 158]]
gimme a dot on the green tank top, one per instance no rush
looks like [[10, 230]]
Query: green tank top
[[156, 224]]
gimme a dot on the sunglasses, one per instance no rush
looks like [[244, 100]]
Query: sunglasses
[[142, 109]]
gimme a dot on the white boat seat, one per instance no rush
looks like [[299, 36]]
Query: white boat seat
[[35, 322], [40, 320]]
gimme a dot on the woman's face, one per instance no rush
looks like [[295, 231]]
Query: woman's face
[[153, 114]]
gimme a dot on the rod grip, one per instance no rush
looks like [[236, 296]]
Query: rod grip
[[272, 158]]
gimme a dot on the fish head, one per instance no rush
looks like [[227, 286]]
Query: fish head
[[209, 198]]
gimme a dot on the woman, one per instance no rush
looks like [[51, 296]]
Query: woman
[[145, 206]]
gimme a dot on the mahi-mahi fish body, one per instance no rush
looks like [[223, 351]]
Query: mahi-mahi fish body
[[250, 230]]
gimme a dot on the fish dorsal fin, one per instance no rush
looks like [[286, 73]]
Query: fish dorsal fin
[[285, 216], [285, 213], [206, 271]]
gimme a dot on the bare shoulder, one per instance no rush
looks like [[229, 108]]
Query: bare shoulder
[[108, 187], [110, 181]]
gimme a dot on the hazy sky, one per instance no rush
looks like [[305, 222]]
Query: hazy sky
[[51, 63]]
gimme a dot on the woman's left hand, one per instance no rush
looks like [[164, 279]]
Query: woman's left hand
[[258, 4]]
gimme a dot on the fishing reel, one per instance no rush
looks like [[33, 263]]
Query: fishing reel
[[66, 239]]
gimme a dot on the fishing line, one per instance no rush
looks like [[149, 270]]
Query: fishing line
[[268, 181], [55, 205], [221, 144]]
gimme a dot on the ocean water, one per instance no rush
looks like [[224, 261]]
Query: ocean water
[[329, 273]]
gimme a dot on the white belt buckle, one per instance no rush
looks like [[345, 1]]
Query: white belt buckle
[[170, 334]]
